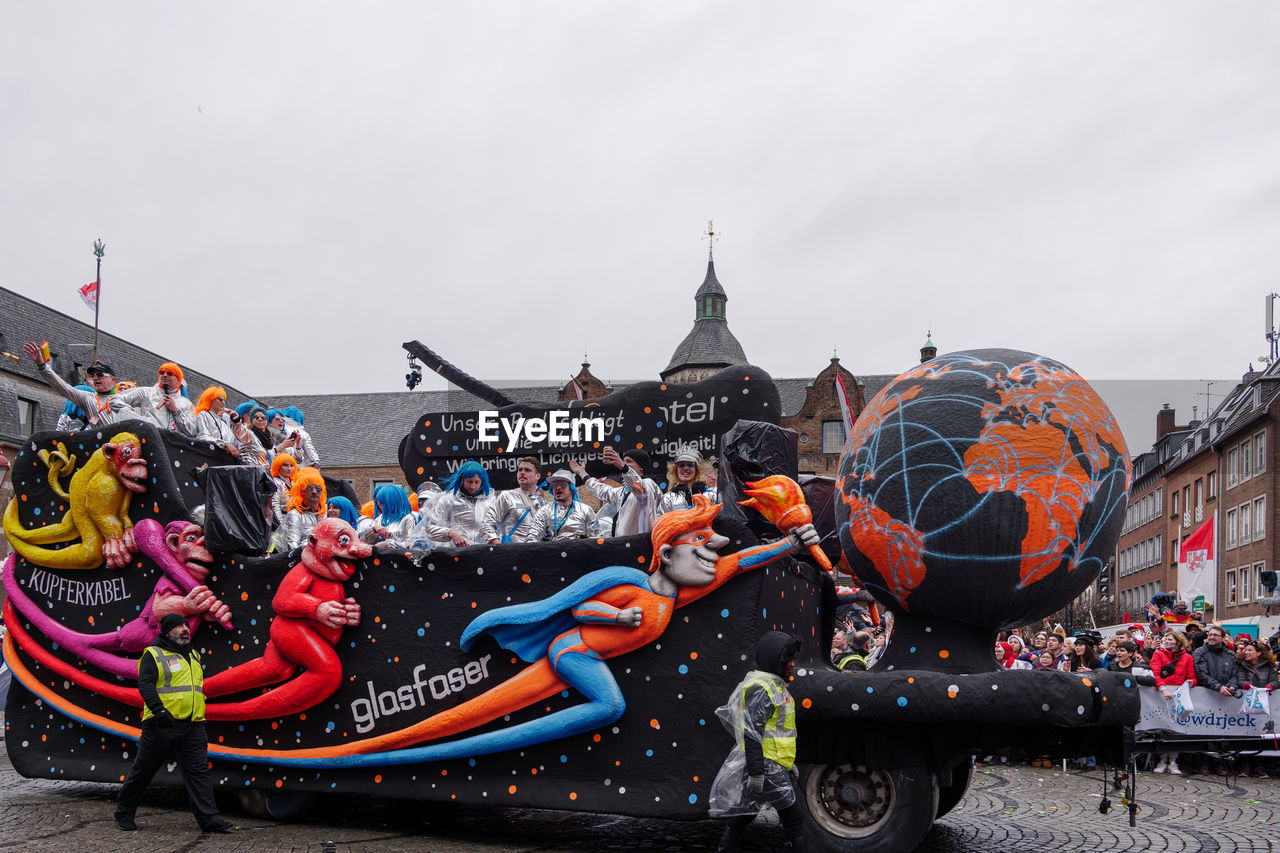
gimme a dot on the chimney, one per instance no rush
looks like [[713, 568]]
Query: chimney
[[1165, 421]]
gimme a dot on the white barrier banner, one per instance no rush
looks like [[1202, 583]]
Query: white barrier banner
[[1214, 715]]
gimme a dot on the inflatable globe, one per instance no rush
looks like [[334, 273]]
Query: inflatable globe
[[984, 487]]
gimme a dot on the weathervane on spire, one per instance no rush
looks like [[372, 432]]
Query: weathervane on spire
[[711, 237]]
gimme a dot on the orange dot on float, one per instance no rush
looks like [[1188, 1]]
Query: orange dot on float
[[235, 647], [595, 444], [473, 605], [444, 772], [806, 702], [429, 450], [640, 559], [695, 778], [533, 771], [377, 779], [275, 726], [525, 578], [1086, 682], [911, 681], [639, 445], [693, 655], [944, 654], [377, 562], [244, 596], [599, 541], [596, 737], [377, 619], [573, 795], [653, 724], [648, 411], [279, 783], [155, 507], [511, 790], [662, 387], [952, 693], [420, 469], [90, 620]]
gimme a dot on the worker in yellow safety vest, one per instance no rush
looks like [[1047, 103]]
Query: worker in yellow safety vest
[[762, 717], [171, 682]]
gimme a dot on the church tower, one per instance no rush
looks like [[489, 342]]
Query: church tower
[[710, 346]]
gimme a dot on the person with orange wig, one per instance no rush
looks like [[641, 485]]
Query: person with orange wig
[[305, 508], [163, 404], [217, 425], [283, 469]]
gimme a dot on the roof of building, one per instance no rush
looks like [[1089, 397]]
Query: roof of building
[[711, 284], [71, 341], [709, 343]]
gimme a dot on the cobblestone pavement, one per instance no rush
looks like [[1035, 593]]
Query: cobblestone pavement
[[1008, 808]]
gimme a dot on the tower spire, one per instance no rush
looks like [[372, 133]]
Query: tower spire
[[711, 237]]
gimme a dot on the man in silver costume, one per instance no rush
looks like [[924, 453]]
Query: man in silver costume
[[511, 516]]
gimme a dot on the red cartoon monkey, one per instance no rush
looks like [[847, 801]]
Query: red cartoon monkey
[[311, 611]]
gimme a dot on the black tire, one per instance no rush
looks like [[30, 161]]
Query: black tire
[[284, 806], [850, 809], [950, 796]]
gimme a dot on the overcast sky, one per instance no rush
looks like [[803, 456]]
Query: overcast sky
[[289, 191]]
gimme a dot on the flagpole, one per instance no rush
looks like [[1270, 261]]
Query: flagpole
[[99, 249]]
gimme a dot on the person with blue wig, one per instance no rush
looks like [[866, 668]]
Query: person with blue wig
[[73, 418], [302, 448], [394, 522], [340, 507], [458, 514]]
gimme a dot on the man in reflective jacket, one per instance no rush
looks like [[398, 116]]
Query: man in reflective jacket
[[171, 683]]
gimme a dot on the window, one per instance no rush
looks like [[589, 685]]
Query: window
[[1175, 504], [1231, 528], [832, 436], [1260, 453], [1257, 574], [1159, 544], [1246, 460], [1231, 587], [1199, 493], [1244, 584], [1231, 468], [1186, 499], [28, 414], [1159, 502], [1211, 484], [1246, 524], [1260, 518], [373, 486]]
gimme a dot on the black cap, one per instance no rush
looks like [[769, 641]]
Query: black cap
[[171, 621], [99, 367], [639, 455]]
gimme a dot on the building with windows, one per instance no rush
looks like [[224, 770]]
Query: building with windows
[[1218, 472]]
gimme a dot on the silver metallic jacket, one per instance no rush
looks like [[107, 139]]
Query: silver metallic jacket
[[453, 511], [505, 512], [676, 500], [556, 522], [294, 529], [218, 429], [635, 513], [144, 401], [96, 406], [404, 533]]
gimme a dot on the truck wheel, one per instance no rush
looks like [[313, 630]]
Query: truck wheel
[[285, 806], [852, 809], [950, 796]]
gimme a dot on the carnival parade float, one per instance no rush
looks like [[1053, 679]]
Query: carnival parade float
[[978, 490]]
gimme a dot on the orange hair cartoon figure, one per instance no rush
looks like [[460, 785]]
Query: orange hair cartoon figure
[[568, 637]]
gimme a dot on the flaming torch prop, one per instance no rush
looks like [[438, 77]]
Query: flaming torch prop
[[780, 500]]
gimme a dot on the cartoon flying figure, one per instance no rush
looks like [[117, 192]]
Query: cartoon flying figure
[[568, 637]]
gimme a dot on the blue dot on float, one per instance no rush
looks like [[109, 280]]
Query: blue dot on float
[[353, 644], [648, 753], [902, 701], [702, 722], [764, 613], [471, 762], [871, 690], [724, 614], [564, 694], [683, 669], [455, 447], [329, 726], [253, 622], [36, 510], [1128, 683], [658, 423], [422, 632], [391, 588], [912, 650], [693, 798], [617, 438], [564, 759]]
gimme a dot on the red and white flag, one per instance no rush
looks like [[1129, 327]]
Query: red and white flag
[[577, 389], [89, 293], [846, 411], [1198, 563]]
